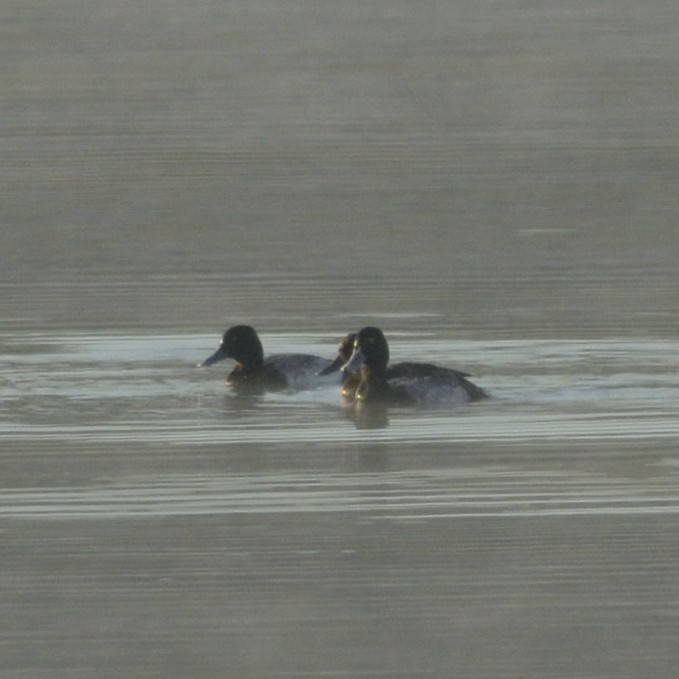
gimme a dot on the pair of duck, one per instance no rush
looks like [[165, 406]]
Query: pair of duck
[[361, 367]]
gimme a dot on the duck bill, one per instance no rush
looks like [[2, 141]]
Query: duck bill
[[219, 355], [355, 362], [333, 367]]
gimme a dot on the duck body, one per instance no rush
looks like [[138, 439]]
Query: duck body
[[368, 378], [275, 373], [429, 384]]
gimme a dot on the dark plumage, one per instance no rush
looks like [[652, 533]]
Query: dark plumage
[[275, 372], [372, 379]]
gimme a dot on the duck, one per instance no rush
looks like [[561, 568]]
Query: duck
[[404, 371], [275, 373], [372, 380]]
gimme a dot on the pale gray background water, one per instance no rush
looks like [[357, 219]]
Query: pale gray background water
[[492, 183]]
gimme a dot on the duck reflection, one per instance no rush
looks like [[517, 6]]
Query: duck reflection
[[368, 415]]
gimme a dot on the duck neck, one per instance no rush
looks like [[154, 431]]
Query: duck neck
[[373, 382], [250, 361], [375, 373]]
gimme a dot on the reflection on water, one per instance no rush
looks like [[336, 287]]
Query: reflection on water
[[368, 415], [133, 482], [494, 184], [82, 394], [142, 498], [114, 388]]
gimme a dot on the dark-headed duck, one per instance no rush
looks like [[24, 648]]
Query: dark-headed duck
[[275, 372], [402, 383]]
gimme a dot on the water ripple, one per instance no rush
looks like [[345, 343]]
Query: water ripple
[[404, 496]]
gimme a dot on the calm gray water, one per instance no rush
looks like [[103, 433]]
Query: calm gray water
[[494, 184]]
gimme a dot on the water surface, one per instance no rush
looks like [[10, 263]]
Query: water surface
[[492, 184]]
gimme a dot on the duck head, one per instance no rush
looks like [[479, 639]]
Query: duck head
[[240, 343], [370, 349]]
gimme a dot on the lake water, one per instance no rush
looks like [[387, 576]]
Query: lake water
[[492, 184]]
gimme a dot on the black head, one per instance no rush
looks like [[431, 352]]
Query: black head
[[242, 344], [370, 349]]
